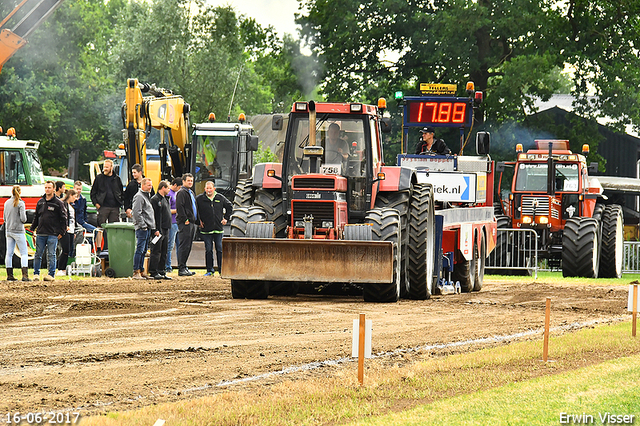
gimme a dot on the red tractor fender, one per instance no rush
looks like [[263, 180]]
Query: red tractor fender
[[260, 178], [397, 178]]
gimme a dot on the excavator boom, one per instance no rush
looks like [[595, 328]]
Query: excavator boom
[[13, 39]]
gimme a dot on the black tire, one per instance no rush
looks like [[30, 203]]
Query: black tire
[[243, 215], [359, 232], [249, 289], [260, 230], [422, 248], [244, 194], [580, 248], [271, 201], [612, 242], [502, 251], [597, 212], [400, 201], [481, 258], [110, 273], [466, 271], [385, 226]]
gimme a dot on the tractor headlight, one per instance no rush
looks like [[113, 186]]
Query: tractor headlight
[[543, 219], [327, 224], [526, 219], [299, 224]]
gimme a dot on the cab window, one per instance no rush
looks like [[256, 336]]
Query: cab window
[[12, 168]]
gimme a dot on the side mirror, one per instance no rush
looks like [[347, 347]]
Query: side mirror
[[483, 140], [385, 125], [252, 143], [500, 166], [593, 168], [277, 122]]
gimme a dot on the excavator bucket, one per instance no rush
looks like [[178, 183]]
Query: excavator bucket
[[274, 259]]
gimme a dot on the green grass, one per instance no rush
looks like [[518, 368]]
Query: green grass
[[593, 369], [609, 387], [556, 278]]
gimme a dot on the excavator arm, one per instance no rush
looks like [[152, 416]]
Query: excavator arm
[[13, 39], [161, 110]]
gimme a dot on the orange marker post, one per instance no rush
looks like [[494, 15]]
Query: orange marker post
[[547, 318], [361, 351]]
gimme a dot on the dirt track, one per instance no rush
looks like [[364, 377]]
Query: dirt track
[[102, 344]]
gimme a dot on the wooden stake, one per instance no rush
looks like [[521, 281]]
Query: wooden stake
[[634, 313], [547, 317], [361, 351]]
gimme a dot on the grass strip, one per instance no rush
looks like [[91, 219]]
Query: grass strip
[[590, 395], [391, 387]]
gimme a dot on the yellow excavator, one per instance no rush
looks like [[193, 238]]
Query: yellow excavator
[[155, 125], [13, 39]]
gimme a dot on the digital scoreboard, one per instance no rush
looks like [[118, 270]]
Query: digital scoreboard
[[440, 111]]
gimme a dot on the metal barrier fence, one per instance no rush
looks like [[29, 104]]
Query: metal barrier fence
[[631, 259], [516, 251]]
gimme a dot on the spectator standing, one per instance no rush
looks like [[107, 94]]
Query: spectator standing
[[176, 183], [214, 210], [162, 216], [66, 242], [49, 225], [133, 187], [143, 219], [15, 216], [80, 207], [186, 217], [106, 194], [59, 189]]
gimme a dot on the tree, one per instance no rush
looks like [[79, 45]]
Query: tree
[[50, 89]]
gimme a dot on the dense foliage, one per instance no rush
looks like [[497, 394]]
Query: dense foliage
[[66, 87]]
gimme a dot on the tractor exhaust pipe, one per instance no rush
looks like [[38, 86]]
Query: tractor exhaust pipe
[[551, 173], [313, 157]]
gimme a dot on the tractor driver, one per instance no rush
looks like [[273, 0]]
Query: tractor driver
[[336, 149], [429, 145]]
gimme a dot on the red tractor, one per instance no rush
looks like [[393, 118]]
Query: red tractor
[[553, 194], [333, 214]]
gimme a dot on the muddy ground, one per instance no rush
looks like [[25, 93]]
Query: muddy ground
[[99, 344]]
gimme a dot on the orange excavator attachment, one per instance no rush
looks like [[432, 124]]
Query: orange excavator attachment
[[276, 259]]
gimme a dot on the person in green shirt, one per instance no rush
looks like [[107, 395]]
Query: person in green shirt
[[214, 210]]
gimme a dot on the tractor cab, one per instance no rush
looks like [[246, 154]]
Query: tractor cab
[[328, 173], [550, 185]]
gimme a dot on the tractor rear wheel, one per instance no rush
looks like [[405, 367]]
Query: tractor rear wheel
[[271, 201], [580, 248], [244, 194], [612, 247], [400, 201], [249, 289], [422, 248], [242, 216], [385, 226]]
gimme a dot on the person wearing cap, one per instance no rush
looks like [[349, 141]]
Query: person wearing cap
[[428, 144]]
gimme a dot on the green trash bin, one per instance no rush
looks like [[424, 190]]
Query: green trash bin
[[121, 240]]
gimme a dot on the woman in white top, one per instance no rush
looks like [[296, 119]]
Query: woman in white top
[[66, 242], [15, 216]]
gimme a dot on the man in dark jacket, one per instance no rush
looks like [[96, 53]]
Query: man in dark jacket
[[49, 224], [162, 214], [106, 194], [429, 145], [214, 210], [186, 217]]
